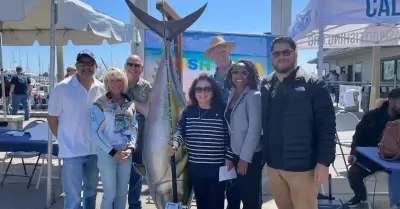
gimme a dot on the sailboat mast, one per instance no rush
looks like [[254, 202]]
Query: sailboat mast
[[27, 61]]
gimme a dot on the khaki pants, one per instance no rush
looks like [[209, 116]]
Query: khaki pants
[[293, 190]]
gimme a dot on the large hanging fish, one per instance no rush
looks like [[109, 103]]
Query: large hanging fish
[[165, 104]]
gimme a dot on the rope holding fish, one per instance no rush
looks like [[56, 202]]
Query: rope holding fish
[[166, 45]]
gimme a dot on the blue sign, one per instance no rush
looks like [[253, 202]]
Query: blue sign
[[302, 24], [381, 8]]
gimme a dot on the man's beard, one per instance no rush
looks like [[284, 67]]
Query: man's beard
[[284, 70]]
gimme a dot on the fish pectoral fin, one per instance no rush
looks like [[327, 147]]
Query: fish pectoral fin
[[143, 108]]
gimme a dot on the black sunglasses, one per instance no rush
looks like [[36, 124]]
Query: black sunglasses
[[89, 64], [284, 53], [240, 72], [133, 64], [201, 89]]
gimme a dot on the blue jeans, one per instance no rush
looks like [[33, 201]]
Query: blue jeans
[[115, 179], [75, 171], [18, 99], [135, 186]]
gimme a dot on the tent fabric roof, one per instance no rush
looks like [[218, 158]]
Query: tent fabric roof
[[347, 23], [22, 22]]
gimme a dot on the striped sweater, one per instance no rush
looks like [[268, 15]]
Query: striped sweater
[[204, 132]]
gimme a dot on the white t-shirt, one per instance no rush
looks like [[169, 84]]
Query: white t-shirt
[[72, 103]]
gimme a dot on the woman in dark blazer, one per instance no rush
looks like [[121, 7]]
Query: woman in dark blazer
[[243, 115]]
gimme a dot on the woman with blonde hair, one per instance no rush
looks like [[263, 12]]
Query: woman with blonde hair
[[114, 128]]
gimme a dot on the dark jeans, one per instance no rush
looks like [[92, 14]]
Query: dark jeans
[[209, 193], [246, 188], [21, 99], [135, 186], [357, 174]]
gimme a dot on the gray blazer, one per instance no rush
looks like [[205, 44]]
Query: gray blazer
[[245, 124]]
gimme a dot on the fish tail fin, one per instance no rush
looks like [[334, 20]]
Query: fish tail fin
[[169, 29]]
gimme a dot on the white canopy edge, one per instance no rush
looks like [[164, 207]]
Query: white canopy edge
[[27, 21]]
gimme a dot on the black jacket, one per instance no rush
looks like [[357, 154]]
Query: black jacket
[[369, 130], [307, 122]]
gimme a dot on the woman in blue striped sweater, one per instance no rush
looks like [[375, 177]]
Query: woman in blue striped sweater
[[203, 130]]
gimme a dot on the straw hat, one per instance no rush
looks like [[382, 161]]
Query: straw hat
[[219, 41]]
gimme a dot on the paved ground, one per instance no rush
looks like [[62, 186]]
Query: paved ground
[[15, 195]]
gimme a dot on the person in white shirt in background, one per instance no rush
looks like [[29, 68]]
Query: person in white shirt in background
[[69, 118]]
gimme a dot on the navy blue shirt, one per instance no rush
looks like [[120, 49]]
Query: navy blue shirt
[[220, 83], [204, 132], [21, 82]]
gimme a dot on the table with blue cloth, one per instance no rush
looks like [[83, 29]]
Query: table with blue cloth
[[23, 143], [393, 167]]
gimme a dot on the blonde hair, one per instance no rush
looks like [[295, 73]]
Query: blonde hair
[[115, 73]]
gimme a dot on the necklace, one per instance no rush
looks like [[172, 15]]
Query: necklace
[[200, 116]]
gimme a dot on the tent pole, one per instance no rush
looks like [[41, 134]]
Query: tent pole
[[376, 75], [3, 85], [51, 82], [321, 41]]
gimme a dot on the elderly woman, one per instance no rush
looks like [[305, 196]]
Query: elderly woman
[[114, 128], [243, 114], [203, 130]]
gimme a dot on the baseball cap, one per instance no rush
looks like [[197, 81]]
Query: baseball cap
[[87, 54]]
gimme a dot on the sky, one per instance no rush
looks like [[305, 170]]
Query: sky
[[252, 17]]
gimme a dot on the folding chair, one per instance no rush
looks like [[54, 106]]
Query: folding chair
[[345, 121], [44, 165]]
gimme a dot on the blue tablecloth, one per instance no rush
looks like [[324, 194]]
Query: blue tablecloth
[[23, 143], [392, 166]]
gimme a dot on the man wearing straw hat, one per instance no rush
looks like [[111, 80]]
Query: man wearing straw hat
[[219, 51]]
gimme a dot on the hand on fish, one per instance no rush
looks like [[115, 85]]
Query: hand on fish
[[122, 156], [171, 150]]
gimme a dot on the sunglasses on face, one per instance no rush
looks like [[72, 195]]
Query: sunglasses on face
[[133, 64], [284, 53], [83, 64], [202, 89], [240, 72]]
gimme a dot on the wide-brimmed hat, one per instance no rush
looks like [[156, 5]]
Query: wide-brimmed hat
[[219, 41]]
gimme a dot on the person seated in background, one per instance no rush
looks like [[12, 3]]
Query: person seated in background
[[368, 134]]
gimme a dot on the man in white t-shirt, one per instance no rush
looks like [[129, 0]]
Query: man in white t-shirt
[[69, 119]]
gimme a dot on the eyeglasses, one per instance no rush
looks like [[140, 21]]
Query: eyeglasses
[[133, 64], [284, 53], [89, 64], [203, 89], [240, 72]]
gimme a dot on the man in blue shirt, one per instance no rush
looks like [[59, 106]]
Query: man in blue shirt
[[219, 51], [20, 92]]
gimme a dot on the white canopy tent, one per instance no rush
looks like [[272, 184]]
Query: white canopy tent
[[349, 23], [22, 22]]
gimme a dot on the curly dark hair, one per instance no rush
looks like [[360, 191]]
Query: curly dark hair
[[254, 78], [216, 98]]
